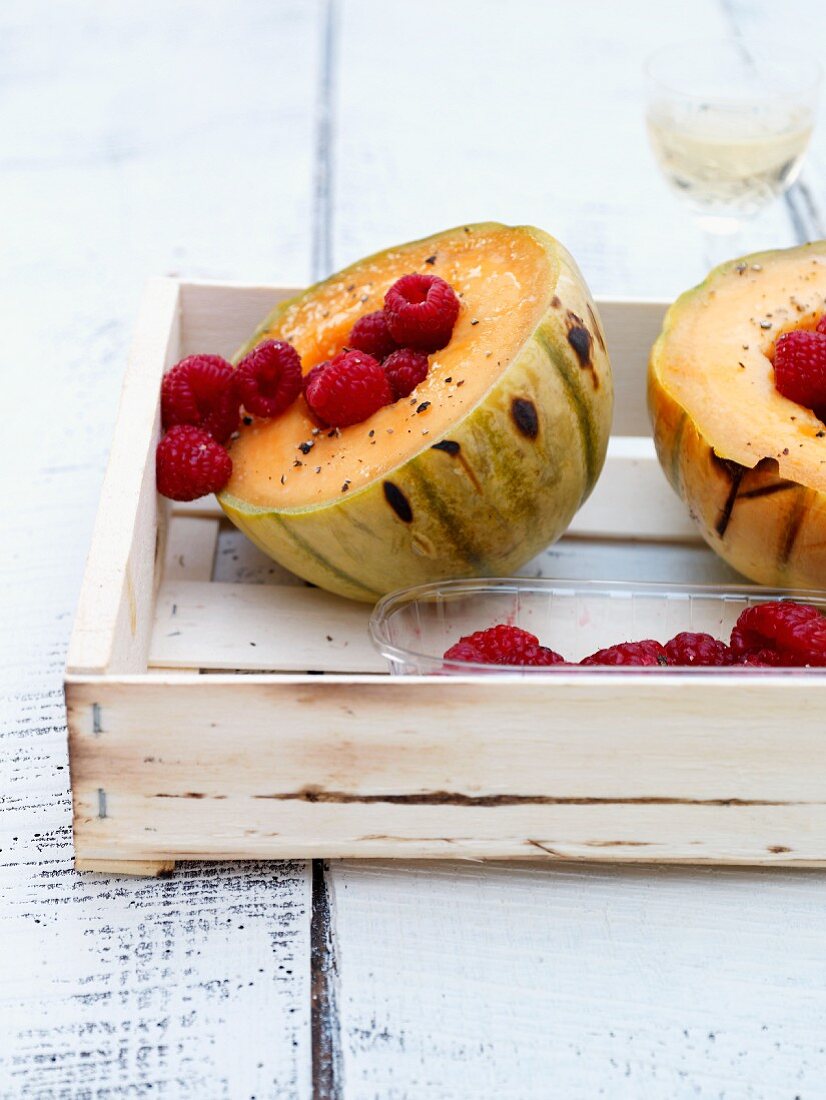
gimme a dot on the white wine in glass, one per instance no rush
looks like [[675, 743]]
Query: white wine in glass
[[729, 126]]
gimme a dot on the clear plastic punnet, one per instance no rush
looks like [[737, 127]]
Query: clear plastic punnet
[[412, 628]]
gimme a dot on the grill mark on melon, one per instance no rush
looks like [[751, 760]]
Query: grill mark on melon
[[449, 446], [398, 501], [582, 342], [525, 417], [452, 448], [768, 490], [312, 553], [597, 327], [799, 510], [571, 384], [734, 472], [448, 521], [737, 473]]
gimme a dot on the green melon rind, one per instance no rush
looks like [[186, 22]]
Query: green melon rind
[[528, 489]]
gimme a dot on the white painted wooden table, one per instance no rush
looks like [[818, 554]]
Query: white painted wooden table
[[273, 140]]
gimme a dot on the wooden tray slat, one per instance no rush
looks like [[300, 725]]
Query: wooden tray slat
[[249, 626], [631, 767]]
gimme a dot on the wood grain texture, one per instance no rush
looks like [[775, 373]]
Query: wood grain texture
[[115, 613], [541, 981], [564, 767], [124, 126]]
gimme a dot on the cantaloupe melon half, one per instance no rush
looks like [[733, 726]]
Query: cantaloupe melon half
[[749, 463], [474, 473]]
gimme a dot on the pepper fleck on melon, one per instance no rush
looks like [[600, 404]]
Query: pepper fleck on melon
[[749, 463], [474, 473]]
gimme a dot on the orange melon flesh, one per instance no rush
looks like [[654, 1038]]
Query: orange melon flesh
[[718, 368], [501, 275]]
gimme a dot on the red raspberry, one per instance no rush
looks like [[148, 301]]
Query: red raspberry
[[199, 391], [349, 390], [503, 645], [647, 652], [268, 380], [464, 651], [821, 325], [687, 648], [794, 632], [314, 373], [760, 658], [421, 311], [800, 367], [371, 334], [405, 369], [189, 464]]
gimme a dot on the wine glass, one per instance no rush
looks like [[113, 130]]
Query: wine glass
[[729, 125]]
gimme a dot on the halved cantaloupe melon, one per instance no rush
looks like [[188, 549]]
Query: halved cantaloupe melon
[[749, 463], [474, 473]]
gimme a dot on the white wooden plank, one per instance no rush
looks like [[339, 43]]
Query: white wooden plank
[[114, 615], [128, 134], [238, 561], [538, 981], [191, 545], [632, 498], [288, 628]]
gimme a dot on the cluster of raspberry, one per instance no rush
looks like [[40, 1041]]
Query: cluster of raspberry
[[774, 634], [385, 358]]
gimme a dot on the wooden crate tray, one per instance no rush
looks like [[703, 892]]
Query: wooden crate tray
[[200, 728]]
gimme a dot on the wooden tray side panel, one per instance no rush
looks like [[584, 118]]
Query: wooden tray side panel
[[219, 317], [113, 624], [631, 327], [633, 769]]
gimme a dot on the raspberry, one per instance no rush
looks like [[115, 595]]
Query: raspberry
[[800, 367], [503, 645], [760, 658], [821, 325], [421, 311], [189, 464], [268, 380], [371, 334], [647, 652], [405, 369], [199, 391], [794, 632], [314, 373], [464, 651], [349, 390], [687, 648]]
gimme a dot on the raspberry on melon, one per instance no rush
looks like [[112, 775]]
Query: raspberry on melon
[[749, 462], [474, 474]]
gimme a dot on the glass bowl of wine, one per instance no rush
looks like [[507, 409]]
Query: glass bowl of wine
[[729, 125]]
